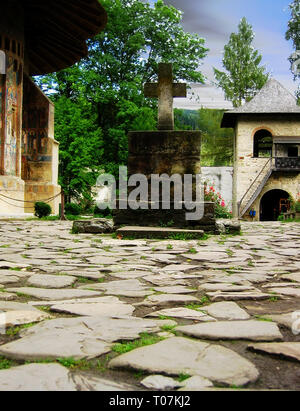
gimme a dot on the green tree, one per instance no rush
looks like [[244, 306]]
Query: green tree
[[217, 142], [104, 92], [80, 142], [244, 76], [294, 35]]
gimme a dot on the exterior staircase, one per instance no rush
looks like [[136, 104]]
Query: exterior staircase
[[255, 189]]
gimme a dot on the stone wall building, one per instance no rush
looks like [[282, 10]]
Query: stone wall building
[[36, 39], [266, 153]]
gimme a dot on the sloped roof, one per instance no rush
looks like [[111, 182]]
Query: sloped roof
[[56, 31], [273, 98]]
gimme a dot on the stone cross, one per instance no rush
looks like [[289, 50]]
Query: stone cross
[[165, 90]]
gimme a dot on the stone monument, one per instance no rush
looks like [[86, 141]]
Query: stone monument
[[165, 152]]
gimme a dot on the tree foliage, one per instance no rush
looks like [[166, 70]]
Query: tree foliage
[[101, 98], [244, 76], [217, 142], [293, 34]]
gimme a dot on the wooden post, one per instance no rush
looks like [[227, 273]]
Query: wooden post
[[62, 211]]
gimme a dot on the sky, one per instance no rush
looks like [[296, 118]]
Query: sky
[[215, 20]]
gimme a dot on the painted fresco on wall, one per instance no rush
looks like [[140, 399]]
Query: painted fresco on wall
[[1, 113], [11, 119], [36, 146]]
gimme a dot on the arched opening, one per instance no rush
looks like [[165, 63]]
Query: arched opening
[[263, 144], [273, 203]]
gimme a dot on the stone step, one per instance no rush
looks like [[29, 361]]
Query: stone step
[[159, 232]]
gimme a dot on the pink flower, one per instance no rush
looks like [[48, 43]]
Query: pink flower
[[223, 204]]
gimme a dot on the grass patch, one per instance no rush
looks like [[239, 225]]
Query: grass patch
[[204, 237], [13, 331], [229, 252], [5, 364], [204, 301], [71, 363], [260, 318], [146, 339], [182, 377], [84, 280], [168, 328], [192, 251]]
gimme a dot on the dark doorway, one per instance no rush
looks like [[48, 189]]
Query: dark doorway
[[263, 144], [293, 152], [274, 203]]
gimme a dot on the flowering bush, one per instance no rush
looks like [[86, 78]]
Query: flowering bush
[[220, 205], [297, 204]]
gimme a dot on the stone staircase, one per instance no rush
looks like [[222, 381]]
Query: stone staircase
[[255, 189]]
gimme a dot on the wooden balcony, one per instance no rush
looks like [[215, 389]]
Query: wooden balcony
[[287, 164]]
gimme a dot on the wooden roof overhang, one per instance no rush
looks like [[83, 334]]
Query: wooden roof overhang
[[56, 32]]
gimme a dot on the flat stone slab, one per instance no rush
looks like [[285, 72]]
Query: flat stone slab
[[196, 383], [181, 312], [238, 296], [287, 320], [176, 289], [206, 256], [162, 299], [13, 318], [50, 294], [173, 268], [54, 377], [11, 276], [126, 288], [291, 292], [234, 330], [160, 383], [51, 281], [36, 377], [7, 296], [225, 287], [125, 275], [165, 280], [226, 311], [87, 382], [289, 277], [158, 232], [79, 338], [290, 350], [178, 355], [105, 307], [90, 275]]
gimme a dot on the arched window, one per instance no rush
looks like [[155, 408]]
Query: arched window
[[263, 144]]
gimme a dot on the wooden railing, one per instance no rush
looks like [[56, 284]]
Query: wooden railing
[[287, 163]]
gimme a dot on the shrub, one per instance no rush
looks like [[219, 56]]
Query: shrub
[[103, 213], [72, 209], [297, 206], [42, 209], [220, 206], [280, 218]]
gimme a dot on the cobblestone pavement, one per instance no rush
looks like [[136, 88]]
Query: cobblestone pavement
[[84, 312]]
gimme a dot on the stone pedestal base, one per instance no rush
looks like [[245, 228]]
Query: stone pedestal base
[[166, 153], [167, 218]]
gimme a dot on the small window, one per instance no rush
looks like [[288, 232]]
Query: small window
[[293, 152], [7, 44], [263, 144]]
